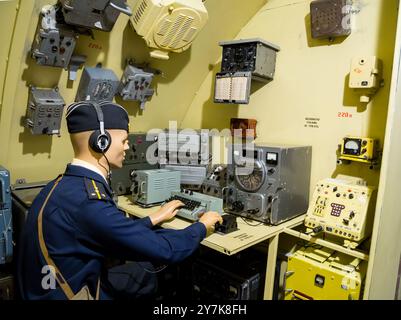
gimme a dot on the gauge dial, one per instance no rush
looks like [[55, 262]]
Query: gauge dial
[[352, 147], [253, 180]]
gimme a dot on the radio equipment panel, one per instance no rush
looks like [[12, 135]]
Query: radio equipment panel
[[152, 187], [274, 189]]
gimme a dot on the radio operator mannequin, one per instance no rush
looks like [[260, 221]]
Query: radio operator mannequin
[[82, 226]]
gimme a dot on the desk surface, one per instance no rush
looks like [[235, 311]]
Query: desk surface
[[232, 243]]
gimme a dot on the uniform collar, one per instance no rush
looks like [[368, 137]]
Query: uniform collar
[[87, 165], [79, 171]]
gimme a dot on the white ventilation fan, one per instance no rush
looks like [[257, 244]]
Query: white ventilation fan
[[168, 25]]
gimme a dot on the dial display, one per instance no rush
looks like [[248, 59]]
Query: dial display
[[352, 147], [250, 179]]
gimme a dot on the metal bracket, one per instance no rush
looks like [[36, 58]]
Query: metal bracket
[[75, 63]]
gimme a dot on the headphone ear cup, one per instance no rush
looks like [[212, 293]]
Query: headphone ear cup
[[98, 142], [104, 141], [93, 141]]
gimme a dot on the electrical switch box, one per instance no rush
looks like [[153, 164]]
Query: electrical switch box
[[45, 110], [256, 56], [366, 76], [54, 43], [94, 14], [135, 85], [97, 84]]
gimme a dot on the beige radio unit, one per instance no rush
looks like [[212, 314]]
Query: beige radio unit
[[343, 209], [168, 25]]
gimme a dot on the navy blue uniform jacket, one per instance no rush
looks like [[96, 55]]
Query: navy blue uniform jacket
[[81, 230]]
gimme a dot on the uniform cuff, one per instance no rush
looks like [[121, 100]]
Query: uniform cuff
[[200, 229], [146, 222]]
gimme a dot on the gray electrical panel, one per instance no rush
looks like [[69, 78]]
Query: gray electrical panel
[[268, 183], [192, 177], [98, 84], [45, 110], [54, 42], [6, 227], [95, 14], [135, 159], [139, 145], [54, 47], [152, 187], [122, 178], [135, 85], [250, 55], [329, 18], [185, 147]]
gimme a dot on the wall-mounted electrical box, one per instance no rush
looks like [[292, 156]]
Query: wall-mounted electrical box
[[359, 149], [97, 84], [242, 62], [250, 55], [366, 76], [45, 110], [95, 14], [330, 18], [135, 85], [168, 25], [54, 43]]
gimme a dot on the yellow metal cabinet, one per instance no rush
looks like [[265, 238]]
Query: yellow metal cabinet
[[323, 274]]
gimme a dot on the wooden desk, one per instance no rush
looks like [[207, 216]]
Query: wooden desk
[[232, 243]]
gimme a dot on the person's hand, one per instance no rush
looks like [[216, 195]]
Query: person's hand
[[209, 219], [166, 212]]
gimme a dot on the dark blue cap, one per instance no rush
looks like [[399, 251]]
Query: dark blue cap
[[82, 116]]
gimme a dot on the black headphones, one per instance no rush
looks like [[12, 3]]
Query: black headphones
[[100, 140]]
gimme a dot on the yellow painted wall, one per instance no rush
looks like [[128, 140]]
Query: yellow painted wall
[[37, 158], [8, 13], [310, 81]]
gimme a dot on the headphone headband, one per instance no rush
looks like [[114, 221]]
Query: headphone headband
[[99, 114]]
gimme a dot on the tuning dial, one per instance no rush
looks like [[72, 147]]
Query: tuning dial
[[238, 206]]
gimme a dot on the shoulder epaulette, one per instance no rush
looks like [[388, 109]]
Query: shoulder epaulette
[[95, 190]]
